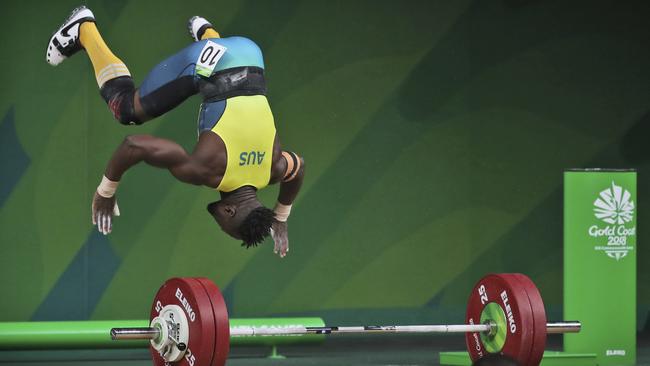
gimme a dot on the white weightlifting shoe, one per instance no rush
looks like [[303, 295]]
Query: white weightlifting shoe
[[65, 41], [197, 26]]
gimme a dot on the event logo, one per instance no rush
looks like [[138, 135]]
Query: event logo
[[615, 207]]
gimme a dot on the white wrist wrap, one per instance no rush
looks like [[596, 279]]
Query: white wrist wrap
[[107, 187], [282, 212]]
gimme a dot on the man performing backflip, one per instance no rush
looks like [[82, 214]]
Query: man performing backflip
[[238, 150]]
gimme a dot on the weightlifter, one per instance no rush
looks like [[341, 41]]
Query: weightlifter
[[238, 151]]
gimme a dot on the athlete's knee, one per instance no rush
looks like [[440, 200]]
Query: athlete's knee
[[118, 94]]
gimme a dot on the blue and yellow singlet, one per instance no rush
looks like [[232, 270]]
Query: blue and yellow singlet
[[229, 74], [244, 122]]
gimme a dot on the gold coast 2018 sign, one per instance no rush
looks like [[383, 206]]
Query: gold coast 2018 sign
[[600, 225], [615, 208]]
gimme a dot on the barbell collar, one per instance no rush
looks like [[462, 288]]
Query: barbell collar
[[563, 327], [121, 334]]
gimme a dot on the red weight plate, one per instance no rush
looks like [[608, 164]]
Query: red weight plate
[[190, 295], [539, 316], [513, 300], [222, 325]]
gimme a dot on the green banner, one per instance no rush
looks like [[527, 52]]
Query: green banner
[[600, 214]]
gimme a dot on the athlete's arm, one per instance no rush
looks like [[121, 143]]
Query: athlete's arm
[[289, 188], [152, 150], [161, 153], [294, 173]]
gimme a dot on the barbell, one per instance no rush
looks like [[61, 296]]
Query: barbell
[[189, 323]]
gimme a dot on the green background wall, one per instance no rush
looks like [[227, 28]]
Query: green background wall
[[436, 134]]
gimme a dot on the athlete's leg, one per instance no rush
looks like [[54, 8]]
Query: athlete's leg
[[78, 31], [113, 77], [173, 80], [166, 86], [210, 33], [201, 29], [107, 66]]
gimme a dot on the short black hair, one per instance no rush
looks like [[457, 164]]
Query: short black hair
[[256, 226]]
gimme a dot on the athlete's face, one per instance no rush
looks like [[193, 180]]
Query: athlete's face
[[225, 214]]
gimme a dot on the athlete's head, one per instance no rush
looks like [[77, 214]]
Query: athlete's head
[[241, 215]]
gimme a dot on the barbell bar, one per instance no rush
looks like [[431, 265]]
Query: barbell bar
[[148, 333]]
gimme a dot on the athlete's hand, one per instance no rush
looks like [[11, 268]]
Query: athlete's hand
[[103, 210], [280, 238]]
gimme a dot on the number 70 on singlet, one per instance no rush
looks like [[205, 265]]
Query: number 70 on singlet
[[208, 58]]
